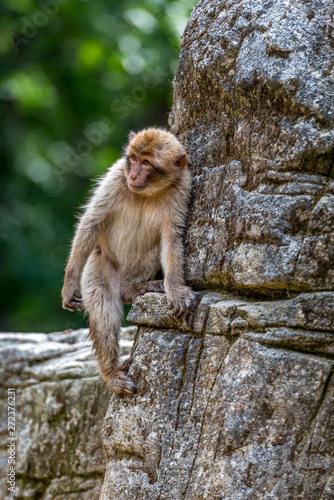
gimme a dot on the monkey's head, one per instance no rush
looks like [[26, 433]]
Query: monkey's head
[[155, 160]]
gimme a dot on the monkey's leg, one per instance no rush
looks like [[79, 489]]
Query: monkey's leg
[[101, 298], [129, 293]]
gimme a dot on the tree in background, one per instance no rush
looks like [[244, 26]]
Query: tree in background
[[75, 77]]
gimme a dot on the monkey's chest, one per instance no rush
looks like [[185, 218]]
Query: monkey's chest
[[132, 237]]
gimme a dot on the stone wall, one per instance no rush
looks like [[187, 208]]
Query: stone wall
[[237, 401]]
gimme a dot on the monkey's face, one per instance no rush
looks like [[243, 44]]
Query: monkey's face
[[155, 159], [141, 173]]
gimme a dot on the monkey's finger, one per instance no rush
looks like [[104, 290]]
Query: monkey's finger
[[129, 389], [126, 364], [66, 304], [187, 311], [72, 305], [177, 309], [170, 304], [155, 287], [190, 303], [189, 306], [182, 308], [77, 301], [192, 307], [158, 288]]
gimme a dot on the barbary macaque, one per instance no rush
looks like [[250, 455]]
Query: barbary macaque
[[131, 228]]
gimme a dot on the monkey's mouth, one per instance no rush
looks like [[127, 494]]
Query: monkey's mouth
[[136, 189]]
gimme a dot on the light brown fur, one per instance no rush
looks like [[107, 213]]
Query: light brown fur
[[132, 226]]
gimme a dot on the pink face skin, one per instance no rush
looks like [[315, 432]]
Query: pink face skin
[[140, 171]]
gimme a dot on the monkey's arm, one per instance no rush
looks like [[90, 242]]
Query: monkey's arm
[[84, 242], [179, 296]]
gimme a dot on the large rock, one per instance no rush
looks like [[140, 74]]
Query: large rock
[[60, 405], [254, 103], [236, 402]]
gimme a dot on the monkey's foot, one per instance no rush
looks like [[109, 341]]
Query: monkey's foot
[[119, 382], [129, 295], [152, 286]]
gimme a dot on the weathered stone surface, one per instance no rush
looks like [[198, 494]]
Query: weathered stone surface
[[60, 406], [151, 309], [215, 313], [254, 101], [310, 311], [233, 411]]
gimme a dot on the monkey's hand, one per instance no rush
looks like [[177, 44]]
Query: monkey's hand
[[180, 299], [72, 298]]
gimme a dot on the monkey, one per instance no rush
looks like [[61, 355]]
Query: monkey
[[131, 227]]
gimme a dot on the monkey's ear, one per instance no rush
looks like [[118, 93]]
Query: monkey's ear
[[131, 135], [181, 160]]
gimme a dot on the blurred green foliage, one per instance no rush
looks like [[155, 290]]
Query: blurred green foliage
[[75, 77]]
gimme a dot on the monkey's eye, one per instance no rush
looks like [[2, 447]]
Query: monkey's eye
[[146, 162], [133, 157]]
